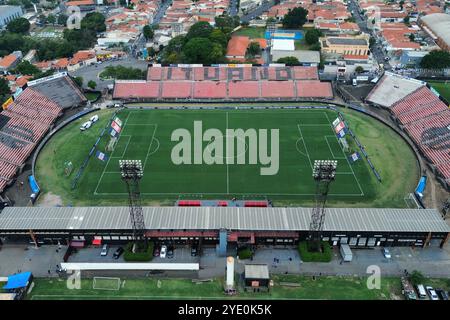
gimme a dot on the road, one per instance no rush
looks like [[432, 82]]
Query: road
[[265, 6], [140, 41], [92, 72], [376, 49], [233, 10]]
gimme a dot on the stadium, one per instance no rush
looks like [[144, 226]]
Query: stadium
[[180, 123]]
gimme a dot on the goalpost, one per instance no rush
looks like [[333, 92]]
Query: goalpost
[[106, 283]]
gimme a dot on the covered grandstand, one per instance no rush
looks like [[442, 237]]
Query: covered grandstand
[[27, 119], [225, 83], [362, 227], [423, 115]]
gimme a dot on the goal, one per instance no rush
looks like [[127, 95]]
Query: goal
[[106, 283]]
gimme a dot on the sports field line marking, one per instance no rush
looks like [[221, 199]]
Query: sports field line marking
[[150, 145], [226, 160], [156, 150], [306, 148], [343, 153], [109, 159], [298, 150], [329, 147], [126, 147], [221, 193]]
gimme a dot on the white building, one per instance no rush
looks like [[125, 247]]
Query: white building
[[9, 13]]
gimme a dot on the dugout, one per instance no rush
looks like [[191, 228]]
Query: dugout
[[256, 278]]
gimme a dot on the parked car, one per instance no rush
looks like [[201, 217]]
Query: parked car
[[442, 294], [94, 118], [118, 253], [386, 253], [104, 251], [432, 293], [163, 252], [194, 251], [170, 252], [156, 251], [86, 125]]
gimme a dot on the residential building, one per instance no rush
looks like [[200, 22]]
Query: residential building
[[10, 61], [357, 45]]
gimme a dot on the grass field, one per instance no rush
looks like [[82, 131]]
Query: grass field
[[332, 288], [443, 87], [304, 136], [251, 32]]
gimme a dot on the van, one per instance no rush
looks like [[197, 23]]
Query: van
[[86, 125], [421, 292], [104, 251], [355, 82]]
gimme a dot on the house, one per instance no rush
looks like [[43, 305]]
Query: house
[[10, 61], [81, 58], [237, 47], [256, 278]]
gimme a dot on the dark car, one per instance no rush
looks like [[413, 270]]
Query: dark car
[[156, 251], [118, 253], [194, 251], [442, 294], [170, 252]]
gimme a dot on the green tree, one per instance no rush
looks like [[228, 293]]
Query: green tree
[[436, 59], [51, 19], [19, 25], [359, 69], [270, 20], [312, 36], [26, 68], [295, 18], [148, 32], [78, 81], [4, 90], [216, 54], [62, 19], [225, 21], [416, 277], [372, 41], [92, 84], [406, 20], [217, 36], [254, 49], [198, 50], [200, 29], [94, 21], [289, 61]]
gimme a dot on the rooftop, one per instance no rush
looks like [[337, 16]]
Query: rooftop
[[392, 88], [439, 23], [256, 271], [347, 41], [216, 218]]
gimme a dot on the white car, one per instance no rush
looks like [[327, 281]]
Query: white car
[[386, 253], [104, 251], [163, 252], [86, 125], [94, 119], [432, 293]]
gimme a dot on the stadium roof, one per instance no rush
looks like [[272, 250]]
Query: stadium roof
[[216, 218], [392, 88], [60, 89], [439, 23]]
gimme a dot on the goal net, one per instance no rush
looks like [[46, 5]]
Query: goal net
[[106, 283]]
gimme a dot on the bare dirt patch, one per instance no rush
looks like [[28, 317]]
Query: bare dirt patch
[[50, 200]]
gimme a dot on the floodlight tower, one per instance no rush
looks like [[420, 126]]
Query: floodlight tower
[[324, 172], [271, 29], [132, 172]]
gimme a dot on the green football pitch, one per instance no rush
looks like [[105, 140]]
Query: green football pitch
[[146, 135]]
